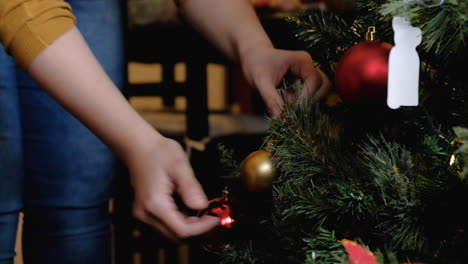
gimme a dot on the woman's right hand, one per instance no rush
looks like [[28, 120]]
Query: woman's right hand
[[158, 173]]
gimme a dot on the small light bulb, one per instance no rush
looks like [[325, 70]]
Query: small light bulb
[[452, 160], [227, 222]]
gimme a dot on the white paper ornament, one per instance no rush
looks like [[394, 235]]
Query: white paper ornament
[[403, 65]]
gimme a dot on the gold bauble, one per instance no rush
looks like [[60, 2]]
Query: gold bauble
[[258, 171]]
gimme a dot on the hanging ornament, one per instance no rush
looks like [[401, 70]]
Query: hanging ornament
[[358, 254], [220, 207], [258, 171], [361, 74], [403, 72]]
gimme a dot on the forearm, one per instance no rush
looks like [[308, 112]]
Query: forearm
[[231, 24], [69, 72], [158, 166]]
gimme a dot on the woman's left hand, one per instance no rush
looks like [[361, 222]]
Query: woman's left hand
[[265, 68]]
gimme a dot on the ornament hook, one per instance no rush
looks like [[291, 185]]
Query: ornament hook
[[370, 34]]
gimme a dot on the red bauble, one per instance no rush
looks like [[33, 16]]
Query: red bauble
[[361, 74], [221, 208], [216, 238]]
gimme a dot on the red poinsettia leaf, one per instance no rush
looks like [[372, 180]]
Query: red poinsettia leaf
[[357, 253]]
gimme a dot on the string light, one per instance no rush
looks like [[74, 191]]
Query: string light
[[452, 159], [227, 221]]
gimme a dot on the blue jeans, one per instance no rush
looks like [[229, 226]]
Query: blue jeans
[[52, 167]]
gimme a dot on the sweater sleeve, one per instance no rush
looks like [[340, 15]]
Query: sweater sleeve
[[27, 27]]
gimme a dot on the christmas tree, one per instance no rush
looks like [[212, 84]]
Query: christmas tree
[[355, 178]]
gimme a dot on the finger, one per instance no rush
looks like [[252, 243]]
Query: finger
[[188, 187], [193, 219], [325, 87], [148, 218], [270, 95], [181, 226], [303, 66], [201, 225], [317, 85], [311, 86]]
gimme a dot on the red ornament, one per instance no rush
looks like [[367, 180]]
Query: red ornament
[[358, 254], [220, 207], [361, 74]]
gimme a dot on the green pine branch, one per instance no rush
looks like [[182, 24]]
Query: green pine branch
[[302, 148], [240, 252], [324, 248], [444, 26]]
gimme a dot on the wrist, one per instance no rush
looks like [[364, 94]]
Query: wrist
[[246, 49], [141, 145]]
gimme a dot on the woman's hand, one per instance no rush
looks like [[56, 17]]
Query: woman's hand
[[265, 68], [236, 30], [157, 173]]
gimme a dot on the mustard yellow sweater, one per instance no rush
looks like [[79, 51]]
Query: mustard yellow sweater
[[28, 26]]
